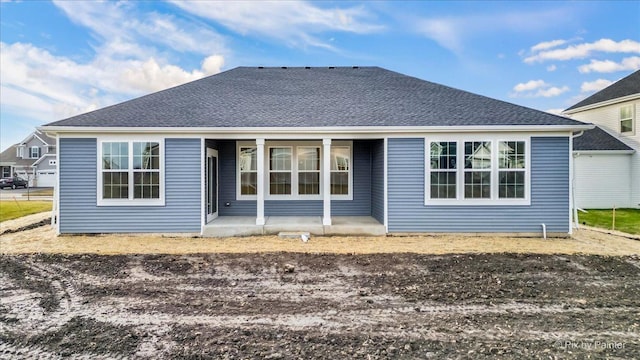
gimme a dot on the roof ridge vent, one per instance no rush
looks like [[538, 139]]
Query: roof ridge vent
[[283, 67], [355, 67], [260, 67], [307, 67], [332, 67]]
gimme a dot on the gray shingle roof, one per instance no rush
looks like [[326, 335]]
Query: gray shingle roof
[[626, 86], [8, 157], [312, 97], [598, 139]]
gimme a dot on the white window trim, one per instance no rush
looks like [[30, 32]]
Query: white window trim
[[633, 121], [294, 170], [130, 201], [494, 200]]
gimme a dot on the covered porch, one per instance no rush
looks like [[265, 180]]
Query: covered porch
[[320, 186], [226, 226]]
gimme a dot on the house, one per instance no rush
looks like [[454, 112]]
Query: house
[[256, 150], [34, 159], [607, 158]]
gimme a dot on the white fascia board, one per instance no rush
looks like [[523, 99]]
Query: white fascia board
[[602, 103], [305, 132], [603, 152]]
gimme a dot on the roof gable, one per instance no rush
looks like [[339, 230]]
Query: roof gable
[[624, 87], [312, 97]]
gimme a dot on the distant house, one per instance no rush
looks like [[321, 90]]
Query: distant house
[[314, 149], [607, 158], [33, 158]]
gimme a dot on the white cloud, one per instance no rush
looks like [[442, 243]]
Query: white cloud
[[149, 76], [38, 84], [596, 85], [294, 22], [530, 85], [445, 32], [547, 45], [555, 111], [119, 23], [453, 32], [64, 87], [608, 66], [584, 50], [537, 88], [552, 91], [551, 67]]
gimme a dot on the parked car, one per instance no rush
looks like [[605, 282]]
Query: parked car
[[13, 182]]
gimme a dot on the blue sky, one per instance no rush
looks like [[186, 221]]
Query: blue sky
[[63, 58]]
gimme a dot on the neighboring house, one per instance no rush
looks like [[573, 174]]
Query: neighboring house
[[34, 158], [261, 144], [607, 158]]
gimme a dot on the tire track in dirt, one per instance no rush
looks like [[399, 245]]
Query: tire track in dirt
[[154, 301]]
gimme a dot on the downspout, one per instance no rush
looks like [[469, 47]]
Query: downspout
[[573, 183]]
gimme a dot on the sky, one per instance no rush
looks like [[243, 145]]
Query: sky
[[62, 58]]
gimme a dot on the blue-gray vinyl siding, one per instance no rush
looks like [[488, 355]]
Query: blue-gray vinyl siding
[[359, 206], [78, 187], [377, 180], [549, 194]]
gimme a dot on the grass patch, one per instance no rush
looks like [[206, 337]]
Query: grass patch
[[627, 220], [11, 209]]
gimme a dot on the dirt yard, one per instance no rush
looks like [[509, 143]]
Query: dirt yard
[[301, 306], [314, 304]]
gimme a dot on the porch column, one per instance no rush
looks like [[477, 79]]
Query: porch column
[[326, 180], [260, 190]]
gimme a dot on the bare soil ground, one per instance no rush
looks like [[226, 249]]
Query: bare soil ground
[[301, 306], [30, 235], [307, 302]]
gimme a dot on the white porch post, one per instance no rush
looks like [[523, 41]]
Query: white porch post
[[260, 190], [326, 180]]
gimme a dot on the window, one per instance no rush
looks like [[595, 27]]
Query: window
[[130, 173], [294, 170], [494, 172], [280, 171], [626, 119], [477, 169], [20, 152], [34, 152], [6, 172], [443, 165], [308, 170], [248, 163], [511, 163], [340, 168]]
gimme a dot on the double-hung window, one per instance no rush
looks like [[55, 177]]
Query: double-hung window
[[626, 119], [308, 170], [248, 165], [443, 166], [34, 152], [280, 170], [130, 173], [340, 170], [477, 171], [512, 169]]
